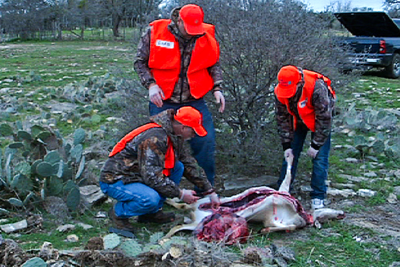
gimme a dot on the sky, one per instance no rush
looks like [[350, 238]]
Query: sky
[[319, 5]]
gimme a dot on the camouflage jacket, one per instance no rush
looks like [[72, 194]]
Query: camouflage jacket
[[142, 160], [323, 103], [181, 92]]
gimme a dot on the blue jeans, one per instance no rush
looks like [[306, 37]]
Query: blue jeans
[[320, 163], [136, 199], [203, 148]]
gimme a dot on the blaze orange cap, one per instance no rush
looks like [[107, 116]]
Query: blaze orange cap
[[191, 117], [192, 17], [288, 78]]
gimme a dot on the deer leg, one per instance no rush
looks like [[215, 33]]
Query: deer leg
[[177, 228], [179, 206]]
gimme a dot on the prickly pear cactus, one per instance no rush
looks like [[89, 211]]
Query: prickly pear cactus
[[38, 162], [154, 238], [16, 145], [393, 151], [36, 130], [35, 262], [22, 184], [45, 169], [73, 195], [360, 143], [76, 153], [153, 247], [24, 135], [3, 211], [111, 241], [52, 157], [378, 146], [79, 136], [5, 130], [174, 240], [23, 168], [81, 168], [53, 186], [1, 169], [131, 247], [15, 202]]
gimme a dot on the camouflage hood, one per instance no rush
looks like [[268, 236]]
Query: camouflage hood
[[164, 119], [175, 14]]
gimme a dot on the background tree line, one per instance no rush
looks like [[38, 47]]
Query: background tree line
[[44, 19]]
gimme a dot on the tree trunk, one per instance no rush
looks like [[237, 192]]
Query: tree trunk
[[116, 22]]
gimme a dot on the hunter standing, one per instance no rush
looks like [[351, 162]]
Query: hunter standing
[[305, 102]]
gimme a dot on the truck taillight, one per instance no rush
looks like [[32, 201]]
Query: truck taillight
[[382, 47]]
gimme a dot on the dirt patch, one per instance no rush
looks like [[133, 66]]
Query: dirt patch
[[13, 46], [384, 219], [115, 48], [25, 46]]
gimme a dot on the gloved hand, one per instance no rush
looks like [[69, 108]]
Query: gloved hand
[[188, 196], [219, 97], [215, 202], [156, 95], [288, 154], [312, 152]]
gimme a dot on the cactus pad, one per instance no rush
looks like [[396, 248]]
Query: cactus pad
[[35, 262], [131, 247], [111, 241]]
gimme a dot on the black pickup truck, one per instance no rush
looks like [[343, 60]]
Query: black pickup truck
[[375, 41]]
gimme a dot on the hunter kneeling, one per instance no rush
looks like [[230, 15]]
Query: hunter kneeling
[[147, 165]]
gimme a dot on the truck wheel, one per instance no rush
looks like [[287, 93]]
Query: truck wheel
[[393, 70]]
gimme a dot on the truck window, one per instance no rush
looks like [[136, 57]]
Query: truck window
[[397, 21]]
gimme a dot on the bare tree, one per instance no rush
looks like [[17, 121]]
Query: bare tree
[[134, 11], [24, 17], [393, 8], [29, 17], [339, 6]]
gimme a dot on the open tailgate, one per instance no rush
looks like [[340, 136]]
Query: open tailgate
[[371, 24]]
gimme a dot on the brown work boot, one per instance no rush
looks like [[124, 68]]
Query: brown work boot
[[158, 217], [120, 223]]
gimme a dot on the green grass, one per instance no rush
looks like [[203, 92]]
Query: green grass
[[35, 239], [59, 63], [42, 70], [343, 248], [379, 92], [336, 244]]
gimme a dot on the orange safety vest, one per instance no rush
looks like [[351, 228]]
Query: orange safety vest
[[304, 105], [165, 59], [169, 162]]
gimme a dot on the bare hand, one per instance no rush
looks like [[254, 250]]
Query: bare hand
[[156, 95], [288, 154], [219, 97], [188, 196], [312, 152], [215, 202]]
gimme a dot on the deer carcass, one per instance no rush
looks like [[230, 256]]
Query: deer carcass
[[277, 210]]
